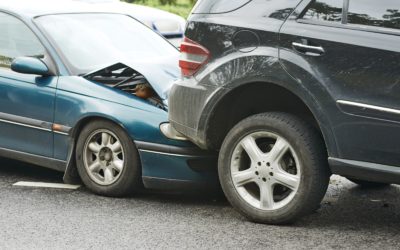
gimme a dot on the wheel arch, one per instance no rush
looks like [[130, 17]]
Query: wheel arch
[[83, 121], [262, 96], [71, 175]]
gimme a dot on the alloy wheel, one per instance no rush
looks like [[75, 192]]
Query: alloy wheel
[[103, 157], [265, 170]]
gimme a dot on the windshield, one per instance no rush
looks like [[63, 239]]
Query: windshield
[[90, 41]]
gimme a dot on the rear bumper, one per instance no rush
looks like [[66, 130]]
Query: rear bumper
[[179, 166], [188, 111]]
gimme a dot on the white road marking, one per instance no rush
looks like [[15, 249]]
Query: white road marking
[[45, 185]]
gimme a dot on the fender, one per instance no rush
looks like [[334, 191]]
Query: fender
[[241, 69], [71, 175]]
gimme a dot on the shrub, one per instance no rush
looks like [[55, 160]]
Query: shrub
[[170, 2]]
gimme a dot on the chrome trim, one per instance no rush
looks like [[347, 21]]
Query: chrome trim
[[25, 125], [304, 46], [368, 106], [33, 123], [60, 133], [172, 150], [164, 153], [346, 4]]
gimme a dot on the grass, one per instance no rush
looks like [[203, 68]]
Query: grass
[[182, 7]]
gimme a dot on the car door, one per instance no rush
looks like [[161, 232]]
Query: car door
[[352, 49], [26, 101]]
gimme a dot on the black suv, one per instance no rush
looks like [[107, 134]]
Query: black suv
[[289, 92]]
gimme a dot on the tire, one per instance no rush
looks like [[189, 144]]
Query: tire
[[368, 184], [300, 167], [103, 167]]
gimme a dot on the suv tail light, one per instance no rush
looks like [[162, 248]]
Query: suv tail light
[[193, 56]]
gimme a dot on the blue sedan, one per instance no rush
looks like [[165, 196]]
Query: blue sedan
[[84, 92]]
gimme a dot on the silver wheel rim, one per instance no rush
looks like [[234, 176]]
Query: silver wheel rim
[[103, 157], [265, 170]]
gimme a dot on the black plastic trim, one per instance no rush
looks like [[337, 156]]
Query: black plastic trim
[[365, 170], [34, 159], [71, 175], [173, 150], [175, 185]]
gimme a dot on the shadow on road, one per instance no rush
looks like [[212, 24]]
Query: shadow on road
[[18, 171], [12, 171], [355, 208], [346, 205]]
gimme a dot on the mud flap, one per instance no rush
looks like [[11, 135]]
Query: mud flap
[[71, 175]]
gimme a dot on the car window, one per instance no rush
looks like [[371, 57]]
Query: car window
[[17, 40], [325, 10], [382, 13]]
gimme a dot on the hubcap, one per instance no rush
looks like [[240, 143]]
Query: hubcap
[[265, 170], [103, 157]]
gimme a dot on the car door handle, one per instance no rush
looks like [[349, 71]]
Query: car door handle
[[308, 49]]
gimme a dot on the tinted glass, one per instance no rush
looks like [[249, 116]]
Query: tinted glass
[[279, 9], [382, 13], [218, 6], [16, 40], [325, 10], [90, 41]]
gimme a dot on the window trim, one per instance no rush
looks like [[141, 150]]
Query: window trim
[[48, 58], [345, 11], [346, 25]]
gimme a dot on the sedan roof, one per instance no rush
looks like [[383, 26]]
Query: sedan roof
[[30, 9]]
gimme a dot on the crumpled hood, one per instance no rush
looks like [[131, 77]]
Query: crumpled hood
[[160, 73]]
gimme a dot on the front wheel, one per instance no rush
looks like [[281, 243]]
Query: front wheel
[[273, 168], [107, 159]]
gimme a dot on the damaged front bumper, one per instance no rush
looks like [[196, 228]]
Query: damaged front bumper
[[173, 167]]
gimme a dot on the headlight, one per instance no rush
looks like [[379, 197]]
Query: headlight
[[169, 132]]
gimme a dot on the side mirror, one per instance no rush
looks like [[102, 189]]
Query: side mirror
[[30, 65]]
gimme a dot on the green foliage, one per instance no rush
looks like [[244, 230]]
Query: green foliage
[[5, 61], [179, 7], [164, 2]]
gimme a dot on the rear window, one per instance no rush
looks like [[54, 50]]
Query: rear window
[[325, 10], [382, 13], [218, 6]]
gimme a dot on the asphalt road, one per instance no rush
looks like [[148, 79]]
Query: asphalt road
[[37, 218]]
